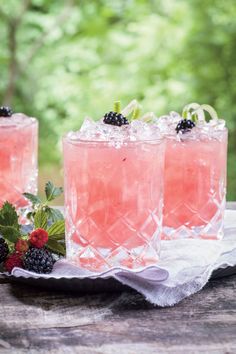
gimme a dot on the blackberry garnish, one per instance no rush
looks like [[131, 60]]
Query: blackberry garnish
[[4, 250], [185, 125], [5, 111], [38, 260], [115, 118]]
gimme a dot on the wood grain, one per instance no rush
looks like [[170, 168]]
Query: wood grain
[[117, 323], [40, 321]]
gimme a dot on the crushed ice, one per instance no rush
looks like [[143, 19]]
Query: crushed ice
[[137, 130]]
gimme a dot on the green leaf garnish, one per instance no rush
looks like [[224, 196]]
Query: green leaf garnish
[[56, 246], [54, 214], [57, 230], [40, 219], [9, 233], [8, 216], [52, 192], [33, 198]]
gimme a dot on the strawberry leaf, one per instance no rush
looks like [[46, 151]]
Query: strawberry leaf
[[56, 247], [9, 233], [33, 198], [54, 214], [8, 215], [51, 191], [57, 230], [40, 219]]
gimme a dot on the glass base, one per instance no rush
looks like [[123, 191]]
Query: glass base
[[205, 232], [101, 259]]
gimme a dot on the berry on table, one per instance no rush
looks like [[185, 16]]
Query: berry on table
[[184, 125], [12, 261], [5, 111], [4, 250], [38, 238], [22, 246], [38, 260]]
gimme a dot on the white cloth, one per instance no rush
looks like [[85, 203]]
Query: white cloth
[[184, 268]]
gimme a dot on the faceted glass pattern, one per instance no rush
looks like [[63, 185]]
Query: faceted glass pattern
[[113, 203], [195, 187]]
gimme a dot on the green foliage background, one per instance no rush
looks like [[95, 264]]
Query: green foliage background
[[62, 60]]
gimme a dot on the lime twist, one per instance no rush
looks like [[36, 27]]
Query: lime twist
[[196, 112]]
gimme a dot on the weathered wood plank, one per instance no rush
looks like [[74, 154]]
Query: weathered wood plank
[[119, 322]]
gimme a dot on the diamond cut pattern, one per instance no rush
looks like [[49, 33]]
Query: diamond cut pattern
[[207, 222], [121, 245]]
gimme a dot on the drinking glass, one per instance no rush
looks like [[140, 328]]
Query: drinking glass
[[113, 202], [194, 177], [18, 158]]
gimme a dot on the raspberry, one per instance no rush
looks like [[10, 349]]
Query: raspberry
[[38, 238], [38, 260], [5, 111], [4, 250], [13, 260], [22, 246], [115, 118], [185, 125]]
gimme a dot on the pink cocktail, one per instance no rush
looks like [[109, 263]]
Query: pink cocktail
[[113, 197], [195, 180], [18, 158]]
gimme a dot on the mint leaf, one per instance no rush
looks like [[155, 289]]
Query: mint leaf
[[33, 198], [51, 191], [54, 214], [40, 219], [9, 233], [57, 230], [56, 247], [8, 215]]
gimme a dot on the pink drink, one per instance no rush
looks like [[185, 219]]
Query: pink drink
[[18, 158], [195, 182], [113, 201]]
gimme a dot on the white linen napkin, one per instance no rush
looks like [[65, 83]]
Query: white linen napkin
[[184, 268]]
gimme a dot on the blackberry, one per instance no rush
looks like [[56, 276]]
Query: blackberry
[[4, 250], [115, 118], [38, 260], [185, 125], [5, 111]]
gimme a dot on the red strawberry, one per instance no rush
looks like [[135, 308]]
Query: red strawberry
[[38, 238], [13, 260]]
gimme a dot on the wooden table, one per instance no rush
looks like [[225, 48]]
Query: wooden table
[[33, 320]]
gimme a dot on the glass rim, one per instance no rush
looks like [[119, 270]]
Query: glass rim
[[6, 122], [160, 139], [203, 135]]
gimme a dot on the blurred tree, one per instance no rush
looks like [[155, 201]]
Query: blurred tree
[[62, 60]]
